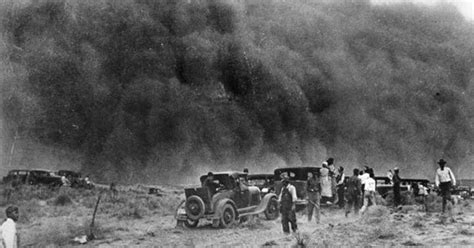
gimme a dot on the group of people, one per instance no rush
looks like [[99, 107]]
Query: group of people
[[356, 192]]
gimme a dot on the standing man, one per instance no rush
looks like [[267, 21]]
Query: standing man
[[313, 188], [369, 193], [210, 185], [246, 172], [396, 187], [340, 186], [353, 192], [9, 237], [444, 180], [287, 201]]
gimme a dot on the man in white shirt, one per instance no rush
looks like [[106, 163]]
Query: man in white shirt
[[444, 180], [9, 237], [369, 194], [287, 199]]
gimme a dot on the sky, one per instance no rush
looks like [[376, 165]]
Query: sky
[[466, 7]]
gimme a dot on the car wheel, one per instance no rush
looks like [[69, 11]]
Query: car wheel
[[194, 207], [271, 213], [191, 223], [228, 216]]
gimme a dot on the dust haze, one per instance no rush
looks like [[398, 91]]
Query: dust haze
[[159, 91]]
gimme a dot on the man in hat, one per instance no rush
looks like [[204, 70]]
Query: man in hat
[[9, 237], [313, 188], [353, 192], [444, 180], [287, 201], [246, 179], [396, 187], [210, 185]]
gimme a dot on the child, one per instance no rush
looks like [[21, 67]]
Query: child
[[9, 238]]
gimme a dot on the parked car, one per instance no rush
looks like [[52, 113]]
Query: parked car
[[298, 178], [231, 201], [468, 184], [265, 182], [462, 190], [384, 185], [45, 177], [16, 177]]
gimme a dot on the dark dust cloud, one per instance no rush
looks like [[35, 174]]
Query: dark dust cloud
[[159, 91]]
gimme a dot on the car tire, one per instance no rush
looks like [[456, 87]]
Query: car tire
[[191, 223], [194, 207], [271, 212], [228, 216]]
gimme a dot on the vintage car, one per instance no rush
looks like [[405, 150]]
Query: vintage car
[[298, 178], [16, 177], [466, 187], [462, 190], [231, 201], [384, 185], [45, 177], [265, 182]]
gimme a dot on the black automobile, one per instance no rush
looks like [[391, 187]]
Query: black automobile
[[298, 178], [16, 177], [384, 185], [231, 201], [265, 182], [43, 177]]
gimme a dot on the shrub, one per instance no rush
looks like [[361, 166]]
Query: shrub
[[62, 200]]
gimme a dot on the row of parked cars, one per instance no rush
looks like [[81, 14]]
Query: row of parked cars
[[232, 202], [46, 177]]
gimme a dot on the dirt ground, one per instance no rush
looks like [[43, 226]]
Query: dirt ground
[[133, 218], [379, 228]]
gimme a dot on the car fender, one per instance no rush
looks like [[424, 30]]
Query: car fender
[[266, 199], [220, 205]]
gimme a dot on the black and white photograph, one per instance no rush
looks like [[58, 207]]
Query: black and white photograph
[[236, 123]]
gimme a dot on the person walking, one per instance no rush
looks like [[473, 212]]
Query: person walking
[[444, 180], [353, 192], [396, 187], [287, 199], [313, 188], [9, 237], [340, 185], [369, 193]]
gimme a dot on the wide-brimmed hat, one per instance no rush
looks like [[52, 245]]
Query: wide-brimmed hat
[[395, 169], [441, 162]]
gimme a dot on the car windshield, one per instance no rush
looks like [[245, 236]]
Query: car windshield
[[221, 179], [296, 173], [256, 182]]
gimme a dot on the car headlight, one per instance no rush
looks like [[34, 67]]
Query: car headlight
[[265, 190]]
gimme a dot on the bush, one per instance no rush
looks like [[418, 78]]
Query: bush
[[62, 200]]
